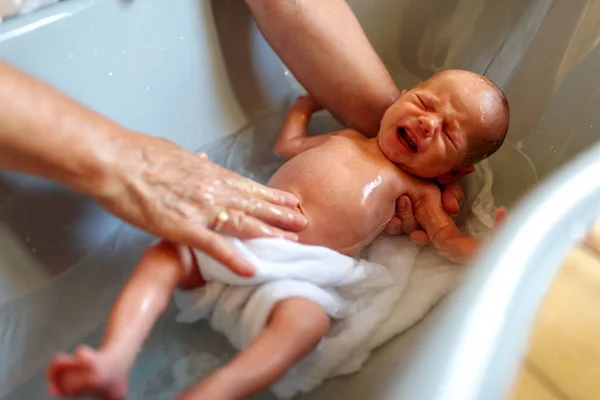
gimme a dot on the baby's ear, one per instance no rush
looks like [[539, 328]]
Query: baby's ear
[[455, 175]]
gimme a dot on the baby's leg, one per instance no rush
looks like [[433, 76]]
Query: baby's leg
[[295, 327], [103, 373]]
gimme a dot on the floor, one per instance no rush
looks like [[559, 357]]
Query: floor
[[563, 357]]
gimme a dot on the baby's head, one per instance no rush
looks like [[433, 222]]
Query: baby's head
[[444, 125]]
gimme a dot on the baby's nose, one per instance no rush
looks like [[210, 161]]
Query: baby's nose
[[428, 125]]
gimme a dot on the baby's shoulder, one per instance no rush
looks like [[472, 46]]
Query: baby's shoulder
[[349, 134]]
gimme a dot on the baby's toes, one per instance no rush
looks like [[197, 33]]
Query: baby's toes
[[60, 363], [86, 356]]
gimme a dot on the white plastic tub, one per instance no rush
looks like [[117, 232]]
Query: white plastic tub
[[198, 71]]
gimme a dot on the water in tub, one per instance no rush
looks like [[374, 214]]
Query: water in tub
[[177, 355]]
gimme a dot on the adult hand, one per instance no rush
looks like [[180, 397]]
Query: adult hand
[[149, 182], [177, 195], [404, 221]]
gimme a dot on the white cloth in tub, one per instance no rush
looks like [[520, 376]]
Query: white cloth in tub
[[357, 294], [421, 278]]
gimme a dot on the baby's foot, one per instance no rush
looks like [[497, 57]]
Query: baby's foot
[[88, 373]]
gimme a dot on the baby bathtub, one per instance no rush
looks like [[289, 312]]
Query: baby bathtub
[[197, 72]]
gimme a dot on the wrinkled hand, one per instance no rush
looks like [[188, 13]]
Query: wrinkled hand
[[404, 221], [177, 195]]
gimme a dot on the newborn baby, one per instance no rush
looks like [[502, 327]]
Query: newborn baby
[[348, 186]]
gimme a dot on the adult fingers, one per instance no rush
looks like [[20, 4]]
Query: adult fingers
[[452, 198], [275, 196], [274, 215], [404, 211], [241, 225], [217, 247], [394, 227], [420, 238], [257, 191]]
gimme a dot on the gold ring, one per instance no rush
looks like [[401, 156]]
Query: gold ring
[[220, 220]]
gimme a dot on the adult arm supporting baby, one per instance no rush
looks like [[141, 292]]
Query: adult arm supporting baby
[[324, 46], [149, 182], [326, 49]]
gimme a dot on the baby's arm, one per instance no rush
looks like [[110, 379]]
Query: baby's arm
[[440, 227], [293, 139]]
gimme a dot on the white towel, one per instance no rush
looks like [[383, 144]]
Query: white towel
[[371, 304], [356, 293]]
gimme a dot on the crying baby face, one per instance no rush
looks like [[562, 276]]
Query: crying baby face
[[444, 125]]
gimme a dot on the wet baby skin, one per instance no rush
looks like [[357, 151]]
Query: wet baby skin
[[348, 186]]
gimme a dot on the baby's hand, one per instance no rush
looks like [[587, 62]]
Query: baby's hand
[[420, 237], [464, 248]]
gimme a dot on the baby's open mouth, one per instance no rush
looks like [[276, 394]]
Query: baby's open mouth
[[406, 140]]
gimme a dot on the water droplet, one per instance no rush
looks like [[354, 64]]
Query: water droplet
[[154, 37], [124, 52], [181, 38], [199, 132], [33, 249], [95, 50], [27, 239], [147, 46], [71, 55], [162, 48], [186, 121], [592, 125], [286, 73], [147, 87], [110, 73]]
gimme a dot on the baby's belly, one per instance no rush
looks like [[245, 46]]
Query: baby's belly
[[349, 239], [340, 223]]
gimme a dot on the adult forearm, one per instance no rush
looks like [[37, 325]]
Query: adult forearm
[[326, 49], [46, 133], [149, 182]]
